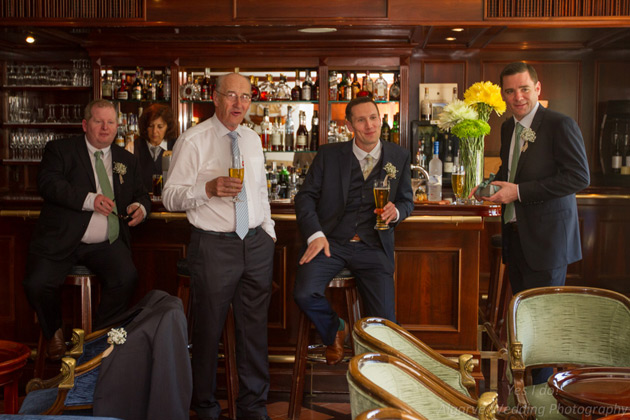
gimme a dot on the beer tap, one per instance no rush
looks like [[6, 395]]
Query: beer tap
[[422, 171]]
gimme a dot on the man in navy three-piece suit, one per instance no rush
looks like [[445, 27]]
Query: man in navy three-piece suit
[[335, 212], [543, 165], [93, 192]]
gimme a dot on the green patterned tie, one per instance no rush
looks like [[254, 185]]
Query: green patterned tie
[[516, 153], [112, 220]]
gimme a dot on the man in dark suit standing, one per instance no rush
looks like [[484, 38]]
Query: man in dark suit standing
[[336, 215], [92, 192], [543, 165]]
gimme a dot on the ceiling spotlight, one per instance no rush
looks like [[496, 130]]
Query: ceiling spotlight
[[30, 39], [457, 29], [450, 38], [317, 30]]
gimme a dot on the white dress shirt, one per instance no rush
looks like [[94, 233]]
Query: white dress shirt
[[202, 154]]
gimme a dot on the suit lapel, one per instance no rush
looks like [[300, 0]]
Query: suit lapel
[[86, 161], [345, 169], [536, 123]]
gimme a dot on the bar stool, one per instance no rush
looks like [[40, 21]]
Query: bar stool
[[229, 340], [82, 277], [344, 280], [12, 360]]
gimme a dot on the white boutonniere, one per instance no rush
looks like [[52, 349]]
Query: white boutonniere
[[527, 136], [120, 169], [117, 336], [391, 171]]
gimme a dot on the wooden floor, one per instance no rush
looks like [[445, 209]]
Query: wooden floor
[[316, 407]]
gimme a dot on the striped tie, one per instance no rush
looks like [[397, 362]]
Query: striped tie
[[113, 226], [516, 153], [242, 216]]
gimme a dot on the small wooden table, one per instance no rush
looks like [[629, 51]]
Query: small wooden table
[[12, 359], [591, 393]]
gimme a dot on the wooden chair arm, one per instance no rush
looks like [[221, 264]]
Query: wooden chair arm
[[466, 366]]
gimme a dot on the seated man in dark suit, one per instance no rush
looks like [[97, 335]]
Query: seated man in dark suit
[[336, 215], [92, 191]]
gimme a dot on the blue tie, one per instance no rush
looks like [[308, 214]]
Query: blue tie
[[242, 215]]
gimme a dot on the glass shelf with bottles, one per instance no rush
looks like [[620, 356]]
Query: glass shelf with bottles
[[345, 85], [137, 86]]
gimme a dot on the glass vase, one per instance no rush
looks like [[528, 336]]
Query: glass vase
[[471, 156]]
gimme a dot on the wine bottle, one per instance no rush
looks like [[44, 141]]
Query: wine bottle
[[289, 131], [616, 155], [296, 92], [307, 88], [448, 158], [385, 129], [394, 135], [435, 174], [166, 90], [136, 87], [302, 133]]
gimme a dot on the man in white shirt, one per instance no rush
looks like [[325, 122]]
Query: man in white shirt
[[93, 192], [231, 246]]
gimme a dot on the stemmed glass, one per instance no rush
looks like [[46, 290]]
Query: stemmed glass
[[457, 182], [381, 197], [237, 170]]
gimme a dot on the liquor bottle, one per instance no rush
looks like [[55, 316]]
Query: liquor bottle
[[266, 130], [626, 142], [332, 86], [454, 93], [421, 157], [616, 155], [136, 87], [380, 88], [196, 95], [267, 89], [255, 91], [283, 181], [448, 158], [296, 92], [283, 91], [307, 88], [344, 89], [145, 85], [332, 132], [356, 86], [314, 145], [289, 131], [364, 91], [272, 184], [121, 93], [435, 174], [276, 137], [369, 83], [394, 135], [186, 90], [166, 90], [302, 133], [394, 90], [205, 85], [385, 130], [120, 133], [106, 87], [425, 106], [152, 89]]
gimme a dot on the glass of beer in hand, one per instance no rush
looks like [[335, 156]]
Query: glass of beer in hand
[[381, 197], [237, 170], [457, 182]]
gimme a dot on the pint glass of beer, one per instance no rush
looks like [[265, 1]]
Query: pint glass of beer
[[381, 197]]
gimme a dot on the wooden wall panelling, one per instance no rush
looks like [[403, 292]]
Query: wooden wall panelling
[[331, 9]]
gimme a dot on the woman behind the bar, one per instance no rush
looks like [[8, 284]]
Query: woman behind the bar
[[157, 134]]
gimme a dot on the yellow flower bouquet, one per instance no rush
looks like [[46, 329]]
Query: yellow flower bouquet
[[468, 120]]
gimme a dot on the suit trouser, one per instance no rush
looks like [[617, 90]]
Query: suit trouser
[[111, 263], [523, 277], [228, 270], [375, 281]]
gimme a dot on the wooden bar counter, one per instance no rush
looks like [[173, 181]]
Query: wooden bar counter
[[440, 253]]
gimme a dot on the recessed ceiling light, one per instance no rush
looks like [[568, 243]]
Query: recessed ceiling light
[[450, 38], [317, 30], [30, 39], [457, 29]]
